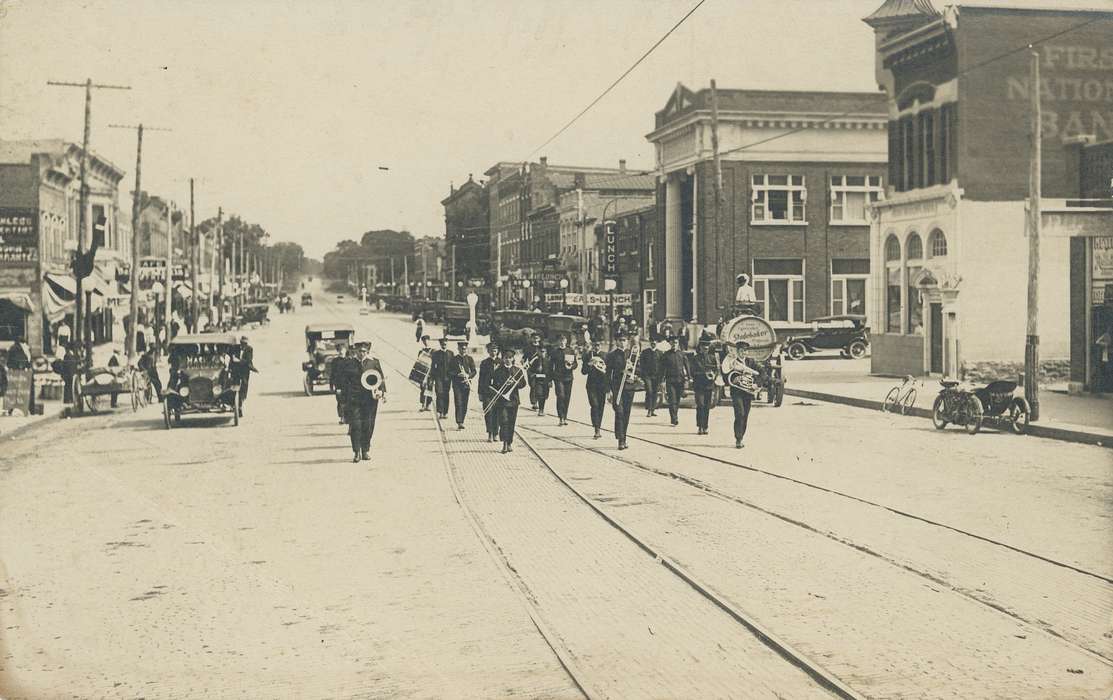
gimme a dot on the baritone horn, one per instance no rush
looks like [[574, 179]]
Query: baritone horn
[[372, 380], [738, 374]]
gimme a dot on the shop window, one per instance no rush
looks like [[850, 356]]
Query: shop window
[[778, 199], [650, 258], [849, 281], [914, 305], [851, 195], [892, 284], [779, 285], [892, 249], [937, 244]]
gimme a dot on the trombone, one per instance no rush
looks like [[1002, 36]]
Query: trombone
[[516, 375], [630, 370]]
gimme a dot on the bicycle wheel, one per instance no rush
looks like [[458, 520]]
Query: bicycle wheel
[[939, 413], [908, 402], [134, 385], [892, 400]]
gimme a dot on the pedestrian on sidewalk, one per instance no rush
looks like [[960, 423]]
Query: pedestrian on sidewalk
[[67, 369], [115, 362], [562, 363], [462, 369], [487, 391], [593, 365], [508, 380], [419, 327], [676, 377]]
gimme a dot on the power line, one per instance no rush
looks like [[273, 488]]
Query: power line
[[965, 71], [619, 80]]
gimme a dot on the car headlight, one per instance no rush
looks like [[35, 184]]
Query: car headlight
[[184, 391]]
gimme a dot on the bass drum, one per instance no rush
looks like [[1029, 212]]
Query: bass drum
[[420, 370], [755, 331]]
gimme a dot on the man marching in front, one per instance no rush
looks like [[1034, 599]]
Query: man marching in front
[[462, 369], [562, 362], [594, 366], [704, 370], [740, 398], [650, 369], [438, 370], [620, 372], [487, 391], [676, 376], [508, 380], [362, 397], [537, 360]]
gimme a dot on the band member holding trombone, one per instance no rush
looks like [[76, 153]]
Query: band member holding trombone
[[366, 386], [487, 391], [508, 379], [462, 368], [622, 371], [738, 373], [704, 370], [536, 361], [676, 377], [438, 370], [562, 362], [594, 367]]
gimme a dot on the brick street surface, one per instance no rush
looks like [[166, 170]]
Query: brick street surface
[[258, 561]]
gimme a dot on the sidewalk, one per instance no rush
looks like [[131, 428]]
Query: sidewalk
[[1085, 419]]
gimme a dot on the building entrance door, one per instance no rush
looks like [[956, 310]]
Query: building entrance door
[[936, 338]]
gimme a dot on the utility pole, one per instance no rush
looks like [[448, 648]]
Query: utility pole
[[393, 282], [453, 281], [169, 309], [242, 297], [194, 263], [406, 274], [212, 272], [1032, 342], [80, 336], [718, 181], [220, 247], [498, 260], [583, 247]]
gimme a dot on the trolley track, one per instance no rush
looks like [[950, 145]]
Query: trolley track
[[813, 670]]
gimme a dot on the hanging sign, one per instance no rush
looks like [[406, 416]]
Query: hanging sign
[[554, 298]]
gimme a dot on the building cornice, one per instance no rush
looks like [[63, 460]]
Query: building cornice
[[776, 120]]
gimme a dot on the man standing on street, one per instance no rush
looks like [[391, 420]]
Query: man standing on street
[[339, 370], [419, 327], [508, 380], [594, 366], [362, 404], [537, 363], [462, 369], [676, 377], [487, 392], [650, 367], [745, 292], [621, 378], [704, 370], [438, 370], [740, 399], [562, 362], [242, 368]]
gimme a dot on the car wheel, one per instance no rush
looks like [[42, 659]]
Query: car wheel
[[797, 351], [857, 350], [938, 416]]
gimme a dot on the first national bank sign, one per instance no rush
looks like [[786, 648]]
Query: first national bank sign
[[1076, 89]]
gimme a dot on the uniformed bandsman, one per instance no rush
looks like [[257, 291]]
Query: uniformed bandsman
[[562, 363], [508, 379], [462, 369], [704, 368], [438, 370], [621, 386], [424, 398], [593, 366], [674, 369], [650, 369], [536, 361], [740, 399], [487, 392], [361, 405], [338, 368]]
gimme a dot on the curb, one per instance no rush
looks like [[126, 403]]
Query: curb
[[1050, 432], [32, 425]]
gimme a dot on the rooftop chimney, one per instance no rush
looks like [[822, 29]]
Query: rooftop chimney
[[621, 165]]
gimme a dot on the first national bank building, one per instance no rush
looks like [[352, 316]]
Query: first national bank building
[[948, 247]]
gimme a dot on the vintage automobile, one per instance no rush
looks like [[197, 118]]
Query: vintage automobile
[[307, 299], [255, 313], [846, 333], [339, 298], [200, 378], [456, 315], [323, 342], [515, 328], [564, 325]]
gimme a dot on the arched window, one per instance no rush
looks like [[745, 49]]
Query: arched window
[[914, 310], [937, 243], [892, 284], [892, 249]]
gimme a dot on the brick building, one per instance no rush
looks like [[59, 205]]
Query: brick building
[[467, 232], [799, 171], [634, 258], [948, 247], [39, 222]]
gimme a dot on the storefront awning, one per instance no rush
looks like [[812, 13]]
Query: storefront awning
[[64, 286], [54, 306], [19, 299], [96, 284]]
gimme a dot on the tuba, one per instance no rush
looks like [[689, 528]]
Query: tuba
[[372, 380], [738, 374]]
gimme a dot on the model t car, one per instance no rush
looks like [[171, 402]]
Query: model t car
[[323, 344], [201, 380], [564, 326], [255, 313], [846, 333], [515, 328], [456, 316]]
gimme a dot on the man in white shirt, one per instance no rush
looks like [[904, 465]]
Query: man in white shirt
[[745, 291]]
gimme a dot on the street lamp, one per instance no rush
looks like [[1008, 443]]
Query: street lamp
[[563, 294]]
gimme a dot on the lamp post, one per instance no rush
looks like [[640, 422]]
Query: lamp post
[[563, 294]]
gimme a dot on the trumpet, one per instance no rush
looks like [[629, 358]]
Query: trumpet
[[516, 375]]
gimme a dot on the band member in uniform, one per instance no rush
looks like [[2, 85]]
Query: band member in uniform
[[242, 367], [593, 365], [536, 359], [740, 399], [704, 369], [424, 398], [462, 369], [620, 365], [487, 392], [562, 362], [362, 403], [507, 380], [338, 370], [438, 370], [675, 374], [650, 369]]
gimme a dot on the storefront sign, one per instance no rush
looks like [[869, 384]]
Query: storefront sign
[[1103, 258], [554, 298], [21, 277], [610, 250], [577, 299], [19, 240], [18, 394]]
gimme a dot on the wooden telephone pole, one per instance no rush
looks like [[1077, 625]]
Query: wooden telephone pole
[[718, 182], [1032, 341], [194, 263], [133, 279], [220, 253]]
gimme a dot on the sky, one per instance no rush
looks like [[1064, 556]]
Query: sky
[[284, 111]]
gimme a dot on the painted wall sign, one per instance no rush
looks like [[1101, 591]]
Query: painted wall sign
[[19, 235]]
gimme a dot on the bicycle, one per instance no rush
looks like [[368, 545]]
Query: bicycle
[[901, 397]]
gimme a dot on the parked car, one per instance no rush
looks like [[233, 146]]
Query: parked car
[[307, 299], [339, 298], [846, 333], [456, 315], [515, 328], [564, 325]]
